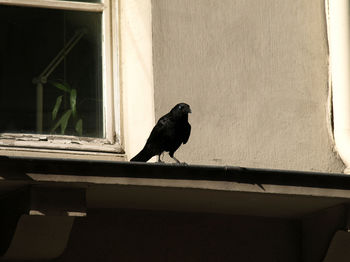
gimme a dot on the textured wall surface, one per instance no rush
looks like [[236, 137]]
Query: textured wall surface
[[255, 73]]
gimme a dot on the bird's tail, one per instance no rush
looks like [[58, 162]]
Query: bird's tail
[[143, 156]]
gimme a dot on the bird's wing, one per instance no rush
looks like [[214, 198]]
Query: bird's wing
[[186, 133], [159, 130], [155, 142]]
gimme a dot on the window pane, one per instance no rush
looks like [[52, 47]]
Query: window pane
[[72, 95]]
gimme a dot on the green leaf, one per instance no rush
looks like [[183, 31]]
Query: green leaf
[[56, 125], [64, 87], [56, 107], [73, 101], [79, 127], [65, 119]]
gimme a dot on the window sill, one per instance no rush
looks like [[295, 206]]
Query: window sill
[[18, 151]]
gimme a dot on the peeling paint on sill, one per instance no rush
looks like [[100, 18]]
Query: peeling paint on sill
[[59, 142]]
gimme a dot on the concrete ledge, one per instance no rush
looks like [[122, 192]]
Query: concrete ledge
[[218, 189]]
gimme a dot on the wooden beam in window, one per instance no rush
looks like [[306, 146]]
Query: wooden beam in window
[[55, 4]]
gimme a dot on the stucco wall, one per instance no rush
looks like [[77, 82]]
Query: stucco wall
[[255, 73]]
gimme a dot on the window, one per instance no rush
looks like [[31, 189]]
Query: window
[[57, 62]]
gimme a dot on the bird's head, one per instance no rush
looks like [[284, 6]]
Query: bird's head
[[181, 109]]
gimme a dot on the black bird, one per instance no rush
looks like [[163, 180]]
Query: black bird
[[167, 135]]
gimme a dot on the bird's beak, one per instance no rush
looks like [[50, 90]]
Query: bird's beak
[[189, 110]]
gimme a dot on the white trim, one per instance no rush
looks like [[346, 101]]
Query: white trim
[[114, 7], [107, 77], [111, 96], [54, 4], [339, 51], [136, 73]]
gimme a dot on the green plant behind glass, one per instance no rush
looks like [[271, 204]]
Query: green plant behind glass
[[68, 114]]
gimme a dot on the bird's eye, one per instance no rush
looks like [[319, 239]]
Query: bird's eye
[[180, 107]]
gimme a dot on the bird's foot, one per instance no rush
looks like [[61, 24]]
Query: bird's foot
[[160, 161], [178, 162]]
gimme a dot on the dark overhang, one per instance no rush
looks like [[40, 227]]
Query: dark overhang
[[19, 167], [195, 188]]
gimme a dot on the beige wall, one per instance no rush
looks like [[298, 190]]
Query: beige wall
[[255, 73]]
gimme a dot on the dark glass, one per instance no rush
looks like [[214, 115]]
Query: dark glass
[[31, 39]]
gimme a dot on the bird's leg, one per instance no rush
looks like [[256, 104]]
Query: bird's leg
[[177, 161], [159, 160]]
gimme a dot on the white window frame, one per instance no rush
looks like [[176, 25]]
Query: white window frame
[[111, 143], [127, 86]]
